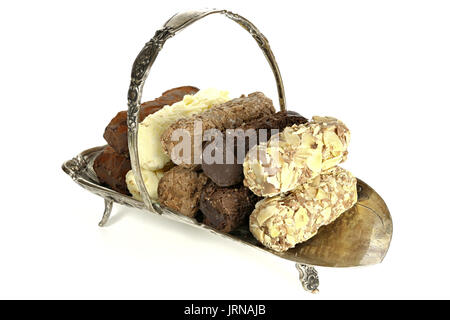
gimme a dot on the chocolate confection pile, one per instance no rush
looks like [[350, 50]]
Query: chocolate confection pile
[[111, 164], [232, 163]]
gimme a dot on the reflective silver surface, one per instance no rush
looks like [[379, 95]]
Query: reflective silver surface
[[361, 236]]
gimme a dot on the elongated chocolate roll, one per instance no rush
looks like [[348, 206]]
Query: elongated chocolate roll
[[180, 189], [151, 153], [228, 115], [283, 221], [225, 209], [116, 131], [224, 172], [296, 155], [111, 168]]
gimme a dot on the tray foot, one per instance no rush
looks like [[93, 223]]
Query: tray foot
[[309, 277], [106, 213]]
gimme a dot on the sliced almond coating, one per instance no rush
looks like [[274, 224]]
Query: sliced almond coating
[[305, 150], [282, 221]]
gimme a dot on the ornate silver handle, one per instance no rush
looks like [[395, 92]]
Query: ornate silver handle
[[144, 62]]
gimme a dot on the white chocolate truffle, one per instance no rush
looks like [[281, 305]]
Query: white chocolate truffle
[[151, 180]]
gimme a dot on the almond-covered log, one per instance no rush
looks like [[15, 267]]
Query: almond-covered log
[[229, 115], [295, 156], [283, 221], [117, 130]]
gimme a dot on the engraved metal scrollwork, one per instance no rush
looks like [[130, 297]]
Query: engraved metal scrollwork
[[75, 166], [148, 54], [309, 277]]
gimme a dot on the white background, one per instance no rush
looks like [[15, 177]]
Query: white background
[[383, 67]]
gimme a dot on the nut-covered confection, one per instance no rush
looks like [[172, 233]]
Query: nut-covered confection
[[225, 209], [180, 189], [117, 130], [228, 173], [283, 221], [228, 115], [111, 168], [151, 154], [295, 156]]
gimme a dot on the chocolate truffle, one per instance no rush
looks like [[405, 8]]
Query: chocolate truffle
[[117, 130], [111, 168], [225, 209], [180, 189]]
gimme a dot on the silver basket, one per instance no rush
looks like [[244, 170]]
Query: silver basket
[[361, 236]]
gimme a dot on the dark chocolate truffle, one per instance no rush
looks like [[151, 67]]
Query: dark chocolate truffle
[[111, 168], [225, 209], [117, 130]]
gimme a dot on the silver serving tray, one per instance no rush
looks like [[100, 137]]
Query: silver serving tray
[[359, 237]]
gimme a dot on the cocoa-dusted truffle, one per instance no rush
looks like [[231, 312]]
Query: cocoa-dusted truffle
[[229, 115], [111, 168], [225, 209], [226, 174], [116, 131], [180, 189]]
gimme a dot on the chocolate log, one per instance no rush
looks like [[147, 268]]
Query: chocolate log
[[225, 173], [111, 168], [225, 209], [180, 189], [116, 131], [228, 115]]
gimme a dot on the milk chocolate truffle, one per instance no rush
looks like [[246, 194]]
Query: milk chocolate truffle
[[111, 168], [222, 172], [225, 209], [180, 189], [229, 115], [116, 131]]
